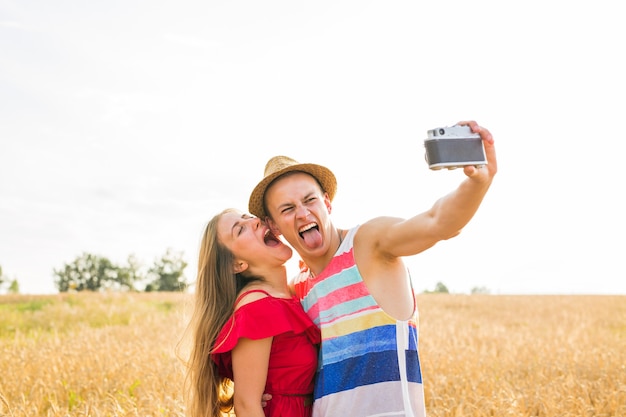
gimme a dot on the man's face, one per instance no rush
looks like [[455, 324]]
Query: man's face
[[299, 209]]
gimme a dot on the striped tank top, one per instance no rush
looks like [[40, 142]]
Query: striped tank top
[[368, 362]]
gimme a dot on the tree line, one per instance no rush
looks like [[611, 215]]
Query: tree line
[[90, 272], [13, 287]]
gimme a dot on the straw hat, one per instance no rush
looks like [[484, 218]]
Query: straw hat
[[279, 165]]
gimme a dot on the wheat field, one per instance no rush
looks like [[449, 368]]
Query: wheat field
[[114, 354]]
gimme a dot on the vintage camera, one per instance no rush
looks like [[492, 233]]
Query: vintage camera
[[454, 147]]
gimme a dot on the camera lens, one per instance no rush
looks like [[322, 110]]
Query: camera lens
[[441, 131]]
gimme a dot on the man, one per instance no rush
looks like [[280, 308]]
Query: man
[[355, 285]]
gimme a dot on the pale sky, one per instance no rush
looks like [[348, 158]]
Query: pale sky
[[125, 125]]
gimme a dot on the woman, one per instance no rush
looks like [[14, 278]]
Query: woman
[[250, 335]]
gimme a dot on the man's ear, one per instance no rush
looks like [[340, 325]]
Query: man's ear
[[273, 228], [328, 204], [239, 266]]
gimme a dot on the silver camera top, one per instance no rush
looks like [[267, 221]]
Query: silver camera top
[[452, 132]]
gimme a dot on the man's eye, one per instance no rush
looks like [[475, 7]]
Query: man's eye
[[287, 210], [240, 231]]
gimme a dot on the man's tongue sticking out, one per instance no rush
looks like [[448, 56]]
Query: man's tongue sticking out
[[312, 237]]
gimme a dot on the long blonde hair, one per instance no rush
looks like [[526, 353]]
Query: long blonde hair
[[207, 393]]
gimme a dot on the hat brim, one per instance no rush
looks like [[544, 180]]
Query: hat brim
[[322, 174]]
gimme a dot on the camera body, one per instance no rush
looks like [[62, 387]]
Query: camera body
[[454, 147]]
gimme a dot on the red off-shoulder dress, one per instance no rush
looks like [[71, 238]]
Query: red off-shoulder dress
[[293, 355]]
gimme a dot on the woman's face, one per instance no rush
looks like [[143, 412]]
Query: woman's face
[[251, 241]]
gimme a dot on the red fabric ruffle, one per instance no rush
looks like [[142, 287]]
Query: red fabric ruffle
[[266, 317]]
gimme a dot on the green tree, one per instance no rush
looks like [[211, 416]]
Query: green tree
[[441, 288], [4, 279], [130, 273], [89, 272], [14, 288], [480, 290], [167, 273]]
